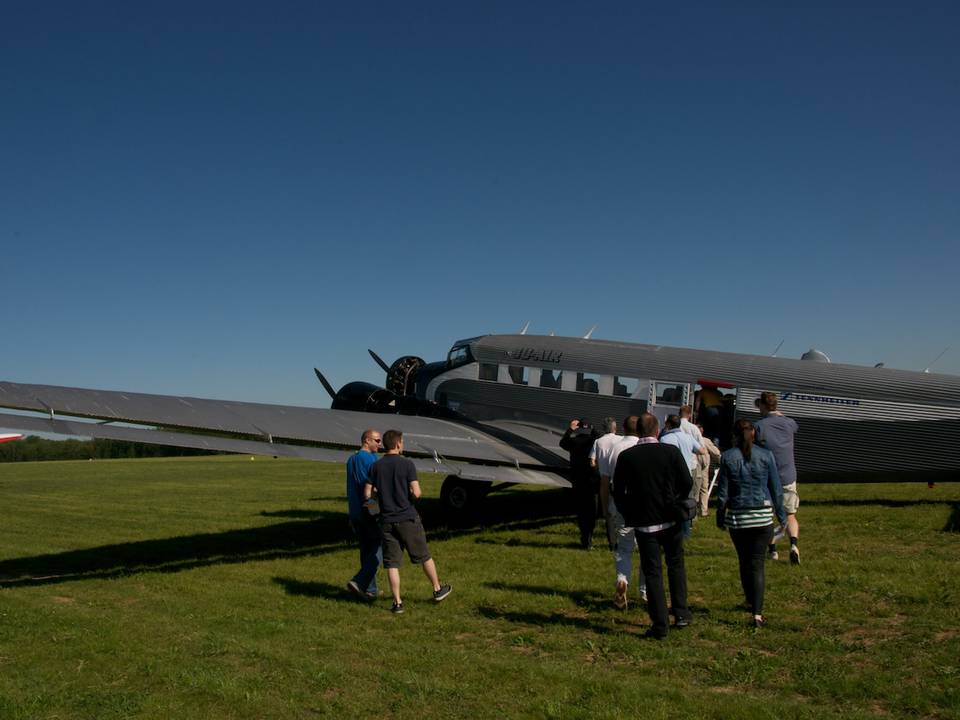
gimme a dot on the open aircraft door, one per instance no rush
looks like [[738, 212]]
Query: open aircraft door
[[666, 397]]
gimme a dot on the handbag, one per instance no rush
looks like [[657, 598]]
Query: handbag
[[685, 508]]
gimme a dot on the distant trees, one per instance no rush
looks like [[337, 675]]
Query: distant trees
[[33, 447]]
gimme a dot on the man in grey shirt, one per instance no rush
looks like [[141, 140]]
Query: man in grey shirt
[[775, 432]]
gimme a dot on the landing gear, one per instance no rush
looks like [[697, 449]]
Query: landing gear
[[462, 499]]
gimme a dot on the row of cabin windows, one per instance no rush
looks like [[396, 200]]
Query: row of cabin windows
[[664, 393]]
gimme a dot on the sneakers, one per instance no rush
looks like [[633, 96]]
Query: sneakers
[[681, 622], [355, 589], [397, 608], [794, 555], [759, 621], [442, 593], [620, 597], [643, 594], [773, 555]]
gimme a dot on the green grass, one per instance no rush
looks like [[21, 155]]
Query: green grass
[[213, 588]]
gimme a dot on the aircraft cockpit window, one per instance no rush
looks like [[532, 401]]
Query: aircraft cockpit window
[[488, 371], [519, 375], [625, 386], [588, 382], [459, 356], [669, 393], [551, 379]]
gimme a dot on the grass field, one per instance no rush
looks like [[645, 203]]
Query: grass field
[[213, 588]]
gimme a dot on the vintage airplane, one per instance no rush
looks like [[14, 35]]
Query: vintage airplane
[[491, 414]]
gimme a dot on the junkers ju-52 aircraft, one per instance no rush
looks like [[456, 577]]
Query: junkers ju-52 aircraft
[[492, 412]]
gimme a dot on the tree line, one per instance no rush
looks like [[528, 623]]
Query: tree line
[[33, 448]]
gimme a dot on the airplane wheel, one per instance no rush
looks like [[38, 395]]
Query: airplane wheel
[[461, 499]]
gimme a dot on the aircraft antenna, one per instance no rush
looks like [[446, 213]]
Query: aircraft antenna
[[777, 349], [525, 328], [927, 368], [589, 333]]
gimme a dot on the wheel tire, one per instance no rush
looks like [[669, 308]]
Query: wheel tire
[[462, 499]]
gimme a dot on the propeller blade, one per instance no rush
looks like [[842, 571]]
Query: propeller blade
[[379, 361], [326, 385]]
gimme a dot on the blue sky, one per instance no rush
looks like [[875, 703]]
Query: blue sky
[[212, 198]]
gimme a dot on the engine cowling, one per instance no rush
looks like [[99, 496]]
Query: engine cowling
[[365, 397], [402, 375]]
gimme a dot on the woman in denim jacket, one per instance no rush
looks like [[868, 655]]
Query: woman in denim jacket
[[748, 495]]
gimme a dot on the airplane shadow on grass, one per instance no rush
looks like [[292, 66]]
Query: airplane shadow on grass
[[953, 523], [312, 533]]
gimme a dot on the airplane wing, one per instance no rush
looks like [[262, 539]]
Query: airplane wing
[[469, 451]]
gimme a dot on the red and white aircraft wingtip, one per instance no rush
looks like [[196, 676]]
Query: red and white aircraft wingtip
[[9, 436]]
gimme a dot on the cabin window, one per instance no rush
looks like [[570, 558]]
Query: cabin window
[[488, 371], [588, 382], [625, 386], [519, 375], [551, 378], [669, 393], [459, 356]]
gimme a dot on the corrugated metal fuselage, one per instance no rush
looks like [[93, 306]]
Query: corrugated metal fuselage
[[856, 423]]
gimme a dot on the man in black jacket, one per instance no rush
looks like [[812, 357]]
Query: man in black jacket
[[649, 481], [578, 440]]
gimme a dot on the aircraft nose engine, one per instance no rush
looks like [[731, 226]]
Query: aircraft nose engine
[[402, 375], [360, 396]]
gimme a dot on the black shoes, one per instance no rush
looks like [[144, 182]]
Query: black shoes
[[682, 623], [397, 608], [442, 593]]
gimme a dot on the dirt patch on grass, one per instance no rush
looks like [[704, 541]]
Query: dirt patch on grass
[[63, 600]]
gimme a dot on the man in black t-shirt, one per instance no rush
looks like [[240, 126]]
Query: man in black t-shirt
[[393, 479]]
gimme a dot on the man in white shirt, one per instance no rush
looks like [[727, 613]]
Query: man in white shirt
[[622, 539], [700, 472], [691, 449]]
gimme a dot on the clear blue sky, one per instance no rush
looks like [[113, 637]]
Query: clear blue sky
[[210, 199]]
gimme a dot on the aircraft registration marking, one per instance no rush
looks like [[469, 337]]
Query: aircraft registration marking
[[523, 354]]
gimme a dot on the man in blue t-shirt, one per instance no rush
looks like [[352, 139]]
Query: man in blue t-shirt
[[364, 583], [775, 432]]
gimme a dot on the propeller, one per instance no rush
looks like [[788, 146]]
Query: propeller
[[326, 386], [379, 360]]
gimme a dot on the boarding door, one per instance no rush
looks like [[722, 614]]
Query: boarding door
[[714, 408], [666, 398]]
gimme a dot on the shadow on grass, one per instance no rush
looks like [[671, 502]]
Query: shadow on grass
[[516, 542], [881, 502], [316, 590], [322, 533], [294, 514], [953, 522], [588, 600], [327, 533], [632, 623]]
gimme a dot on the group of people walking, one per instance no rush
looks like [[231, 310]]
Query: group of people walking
[[651, 486], [380, 502]]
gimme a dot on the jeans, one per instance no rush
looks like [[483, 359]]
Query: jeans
[[751, 545], [670, 540], [624, 543], [371, 553]]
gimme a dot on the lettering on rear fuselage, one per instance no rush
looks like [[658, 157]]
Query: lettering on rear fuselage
[[524, 354], [818, 398]]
